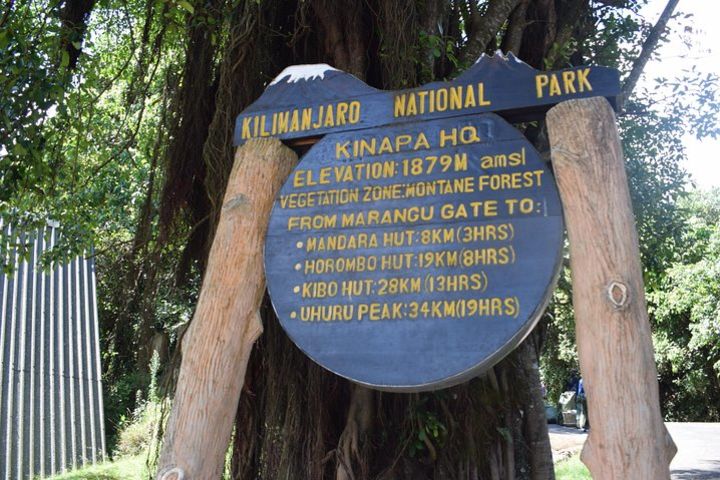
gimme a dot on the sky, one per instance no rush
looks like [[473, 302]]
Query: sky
[[703, 161]]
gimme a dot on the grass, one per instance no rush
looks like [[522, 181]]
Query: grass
[[571, 469], [133, 468], [124, 468]]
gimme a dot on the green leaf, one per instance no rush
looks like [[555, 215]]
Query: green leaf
[[18, 149], [505, 433], [65, 60], [186, 5]]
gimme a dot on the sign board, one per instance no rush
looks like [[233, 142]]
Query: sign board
[[417, 242], [414, 256], [313, 100]]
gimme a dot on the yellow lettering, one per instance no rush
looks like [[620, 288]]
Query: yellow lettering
[[456, 97], [354, 114], [441, 100], [422, 94], [342, 148], [399, 110], [583, 81], [554, 86], [263, 132], [421, 142], [306, 119], [246, 128], [470, 97], [342, 109], [411, 105], [329, 120], [541, 81], [569, 81], [481, 95], [283, 121]]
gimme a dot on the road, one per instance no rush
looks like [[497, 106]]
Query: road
[[698, 456]]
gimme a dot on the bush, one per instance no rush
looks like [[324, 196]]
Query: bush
[[137, 435]]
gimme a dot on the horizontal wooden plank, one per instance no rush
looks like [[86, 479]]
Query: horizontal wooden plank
[[307, 101]]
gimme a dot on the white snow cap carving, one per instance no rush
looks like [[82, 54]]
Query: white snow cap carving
[[499, 54], [303, 72]]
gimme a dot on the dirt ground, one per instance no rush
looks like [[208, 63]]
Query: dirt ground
[[565, 441]]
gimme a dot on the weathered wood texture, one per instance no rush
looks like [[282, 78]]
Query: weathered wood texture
[[226, 323], [628, 438]]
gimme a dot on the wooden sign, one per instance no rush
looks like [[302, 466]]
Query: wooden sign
[[412, 249], [312, 100], [417, 242], [412, 257]]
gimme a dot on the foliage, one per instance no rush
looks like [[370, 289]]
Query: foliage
[[686, 312], [684, 306], [76, 148], [429, 432], [136, 437], [137, 434], [652, 126]]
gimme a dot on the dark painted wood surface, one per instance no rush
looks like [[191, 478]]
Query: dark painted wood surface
[[312, 100], [443, 239]]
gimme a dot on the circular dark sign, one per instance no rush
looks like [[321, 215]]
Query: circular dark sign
[[415, 256]]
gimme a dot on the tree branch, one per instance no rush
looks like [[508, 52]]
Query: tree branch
[[6, 15], [540, 32], [73, 18], [648, 48], [516, 26], [568, 20], [482, 29]]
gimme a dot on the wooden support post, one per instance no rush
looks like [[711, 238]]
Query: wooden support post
[[226, 323], [627, 438]]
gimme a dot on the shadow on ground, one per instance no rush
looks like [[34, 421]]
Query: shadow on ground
[[708, 470]]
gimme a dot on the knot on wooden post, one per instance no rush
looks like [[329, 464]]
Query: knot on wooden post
[[236, 201], [171, 473], [618, 294]]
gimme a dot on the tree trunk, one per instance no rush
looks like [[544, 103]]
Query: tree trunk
[[297, 420], [534, 426], [628, 438]]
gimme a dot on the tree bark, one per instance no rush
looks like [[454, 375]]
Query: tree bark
[[483, 28], [517, 22], [226, 323], [540, 32], [534, 428], [352, 447], [569, 19], [628, 438]]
